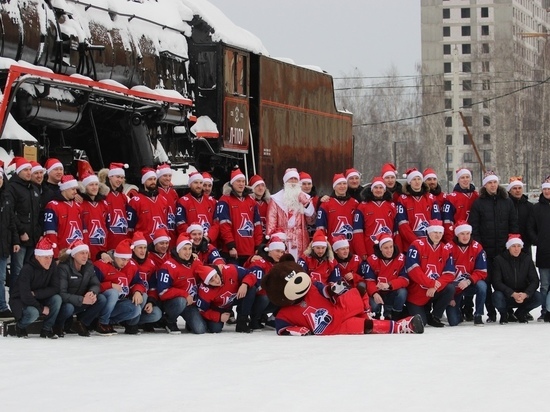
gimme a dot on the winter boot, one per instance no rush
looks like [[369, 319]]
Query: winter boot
[[21, 332], [47, 334], [503, 318], [131, 330], [242, 324], [256, 324], [78, 327], [547, 317], [58, 330]]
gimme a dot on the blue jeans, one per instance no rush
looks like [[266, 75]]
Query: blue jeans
[[440, 301], [261, 303], [30, 313], [503, 303], [86, 313], [194, 322], [544, 274], [393, 300], [3, 268], [174, 308], [18, 260], [117, 311], [152, 317], [214, 327], [479, 290]]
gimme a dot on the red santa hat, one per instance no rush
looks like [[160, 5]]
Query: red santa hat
[[461, 172], [117, 169], [67, 182], [183, 239], [305, 177], [160, 235], [206, 273], [124, 249], [1, 169], [164, 169], [378, 181], [278, 232], [337, 179], [514, 239], [490, 176], [382, 238], [139, 239], [88, 178], [36, 167], [351, 172], [387, 169], [435, 225], [195, 226], [410, 174], [20, 164], [147, 173], [319, 238], [255, 181], [462, 226], [513, 182], [290, 173], [429, 172], [195, 177], [276, 243], [44, 247], [207, 177], [235, 175], [77, 246], [339, 242], [51, 164]]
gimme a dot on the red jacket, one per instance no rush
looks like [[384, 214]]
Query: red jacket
[[393, 270]]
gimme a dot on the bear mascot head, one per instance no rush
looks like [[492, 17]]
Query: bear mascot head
[[286, 283]]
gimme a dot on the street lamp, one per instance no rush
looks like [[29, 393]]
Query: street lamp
[[395, 151]]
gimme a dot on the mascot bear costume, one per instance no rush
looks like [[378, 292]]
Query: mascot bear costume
[[308, 308]]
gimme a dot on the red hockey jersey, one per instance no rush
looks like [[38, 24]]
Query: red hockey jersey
[[413, 214], [128, 277], [335, 217], [177, 278], [190, 209], [370, 219], [63, 223], [390, 271], [95, 219], [147, 214], [117, 207]]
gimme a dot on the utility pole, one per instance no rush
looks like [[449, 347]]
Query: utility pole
[[456, 102]]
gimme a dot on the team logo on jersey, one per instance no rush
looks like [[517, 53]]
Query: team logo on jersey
[[227, 298], [123, 281], [97, 234], [157, 224], [431, 272], [461, 273], [316, 277], [75, 233], [205, 223], [192, 287], [318, 319], [420, 224], [380, 228], [246, 228], [171, 219], [119, 223], [343, 228], [143, 277]]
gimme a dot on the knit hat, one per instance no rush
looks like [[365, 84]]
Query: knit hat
[[319, 238], [195, 226], [382, 238], [429, 172], [139, 239], [514, 239], [88, 178], [255, 181], [51, 164], [164, 169], [339, 242], [435, 225], [513, 182], [290, 173], [236, 174], [67, 182], [338, 178], [207, 177], [206, 273], [183, 239], [77, 246], [160, 235], [378, 181], [44, 247], [36, 167], [147, 173], [124, 249], [20, 164], [305, 177], [462, 226], [276, 243], [351, 172], [489, 177], [388, 168], [117, 169], [410, 174], [195, 177], [461, 172]]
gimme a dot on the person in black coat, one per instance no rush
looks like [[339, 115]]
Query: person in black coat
[[26, 200], [515, 281], [35, 293], [492, 217], [524, 209], [9, 241]]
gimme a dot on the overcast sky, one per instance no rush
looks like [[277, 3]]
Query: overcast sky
[[337, 35]]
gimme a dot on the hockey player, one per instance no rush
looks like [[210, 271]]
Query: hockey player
[[165, 189], [430, 178], [117, 203], [318, 260], [261, 195], [351, 267], [205, 252], [458, 203]]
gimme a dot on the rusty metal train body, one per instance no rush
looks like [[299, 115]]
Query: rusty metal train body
[[112, 85]]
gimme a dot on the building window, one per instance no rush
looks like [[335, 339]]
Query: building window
[[446, 31], [486, 121], [446, 13], [485, 12], [468, 121], [467, 103], [449, 157], [486, 138], [467, 85], [466, 31], [485, 66], [484, 30], [467, 67], [485, 104], [447, 84], [486, 157], [449, 122], [466, 139], [466, 48], [468, 158], [448, 103], [450, 174], [486, 84], [446, 49], [449, 140], [465, 13], [485, 48], [446, 67]]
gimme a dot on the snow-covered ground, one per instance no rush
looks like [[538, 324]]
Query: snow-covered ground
[[490, 368]]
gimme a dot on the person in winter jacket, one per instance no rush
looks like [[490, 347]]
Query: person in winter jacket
[[35, 292], [516, 282], [524, 209]]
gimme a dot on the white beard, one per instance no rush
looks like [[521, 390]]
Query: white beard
[[290, 198]]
